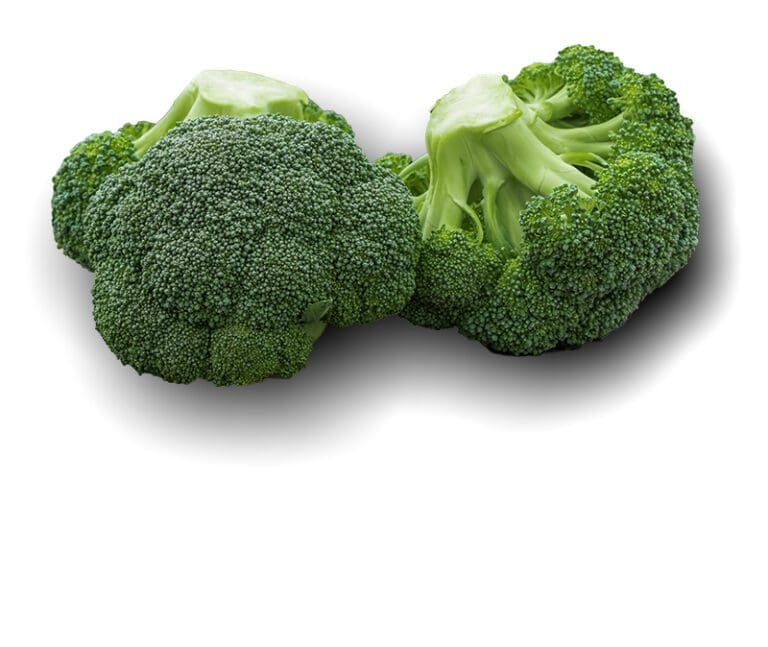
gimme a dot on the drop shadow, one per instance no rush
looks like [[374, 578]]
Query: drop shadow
[[365, 373]]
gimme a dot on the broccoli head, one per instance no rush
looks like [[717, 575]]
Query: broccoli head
[[556, 202], [228, 247], [213, 92]]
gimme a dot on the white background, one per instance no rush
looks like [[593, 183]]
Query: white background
[[408, 487]]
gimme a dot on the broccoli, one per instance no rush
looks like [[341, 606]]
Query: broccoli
[[227, 248], [556, 202], [212, 92]]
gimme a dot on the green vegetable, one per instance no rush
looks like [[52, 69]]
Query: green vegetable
[[228, 247], [214, 92], [555, 202]]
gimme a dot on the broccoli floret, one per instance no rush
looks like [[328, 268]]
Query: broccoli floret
[[415, 175], [395, 162], [225, 250], [213, 92], [80, 174], [312, 112], [557, 201], [578, 88]]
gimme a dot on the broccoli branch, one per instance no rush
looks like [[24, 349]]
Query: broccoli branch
[[553, 107], [177, 112], [491, 145], [594, 139], [415, 168]]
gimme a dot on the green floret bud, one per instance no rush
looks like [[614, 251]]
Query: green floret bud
[[591, 77], [244, 355], [80, 175], [312, 112], [374, 257], [453, 273], [578, 89], [413, 173], [134, 131], [653, 122], [140, 332], [395, 162]]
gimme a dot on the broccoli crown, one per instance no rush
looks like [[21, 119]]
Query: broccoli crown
[[213, 92], [556, 202], [224, 251]]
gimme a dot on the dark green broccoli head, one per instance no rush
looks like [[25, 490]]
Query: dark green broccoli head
[[213, 92], [224, 251], [578, 176], [80, 175]]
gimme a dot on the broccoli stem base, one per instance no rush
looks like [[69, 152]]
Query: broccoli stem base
[[226, 92]]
